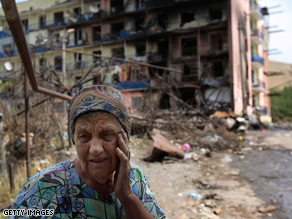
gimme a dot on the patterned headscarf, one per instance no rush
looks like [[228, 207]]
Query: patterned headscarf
[[100, 98]]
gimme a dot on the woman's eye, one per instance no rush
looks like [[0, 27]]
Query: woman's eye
[[107, 136], [83, 136]]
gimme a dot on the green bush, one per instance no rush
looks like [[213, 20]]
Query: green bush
[[282, 104]]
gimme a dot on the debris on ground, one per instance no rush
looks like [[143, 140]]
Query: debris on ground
[[267, 209], [163, 147]]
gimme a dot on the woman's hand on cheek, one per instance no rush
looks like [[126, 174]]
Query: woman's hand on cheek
[[122, 176]]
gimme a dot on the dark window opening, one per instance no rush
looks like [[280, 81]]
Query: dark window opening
[[215, 14], [189, 97], [78, 37], [77, 11], [187, 70], [137, 102], [42, 21], [96, 58], [190, 73], [187, 17], [78, 61], [216, 42], [163, 48], [218, 68], [96, 34], [164, 102], [139, 24], [140, 4], [8, 49], [25, 24], [189, 47], [77, 78], [118, 52], [56, 38], [140, 50], [42, 64], [162, 20], [59, 18], [254, 101], [58, 63], [116, 28], [117, 6], [254, 77]]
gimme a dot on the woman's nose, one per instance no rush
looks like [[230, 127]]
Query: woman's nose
[[96, 146]]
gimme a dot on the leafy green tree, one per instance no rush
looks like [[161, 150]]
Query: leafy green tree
[[282, 104]]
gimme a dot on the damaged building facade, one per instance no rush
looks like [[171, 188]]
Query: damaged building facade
[[216, 44]]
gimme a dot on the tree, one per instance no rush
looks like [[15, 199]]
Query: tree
[[282, 104]]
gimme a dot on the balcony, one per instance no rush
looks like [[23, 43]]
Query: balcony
[[257, 62], [264, 110], [256, 11], [259, 86], [257, 37], [123, 35], [59, 23], [140, 5], [148, 57], [4, 34]]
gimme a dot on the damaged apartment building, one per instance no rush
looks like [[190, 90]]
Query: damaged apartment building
[[209, 42]]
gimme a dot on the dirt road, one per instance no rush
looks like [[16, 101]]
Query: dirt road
[[232, 185]]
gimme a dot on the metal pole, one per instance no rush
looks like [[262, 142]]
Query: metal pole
[[26, 98]]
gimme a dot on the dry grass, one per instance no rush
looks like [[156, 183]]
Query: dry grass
[[6, 195]]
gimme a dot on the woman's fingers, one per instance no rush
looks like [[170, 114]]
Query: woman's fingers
[[123, 157], [122, 139], [125, 137]]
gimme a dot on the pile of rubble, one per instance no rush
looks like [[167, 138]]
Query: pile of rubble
[[177, 134]]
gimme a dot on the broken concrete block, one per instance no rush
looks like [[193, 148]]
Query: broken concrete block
[[267, 209], [163, 147]]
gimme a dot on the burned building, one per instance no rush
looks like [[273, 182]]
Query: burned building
[[211, 44]]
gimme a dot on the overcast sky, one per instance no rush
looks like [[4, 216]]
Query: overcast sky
[[282, 41]]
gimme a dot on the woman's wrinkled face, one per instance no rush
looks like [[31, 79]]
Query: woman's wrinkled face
[[96, 140]]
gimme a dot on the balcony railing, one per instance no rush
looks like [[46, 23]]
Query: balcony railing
[[258, 61], [89, 16], [256, 10], [122, 35], [146, 57], [147, 4], [257, 36], [259, 86]]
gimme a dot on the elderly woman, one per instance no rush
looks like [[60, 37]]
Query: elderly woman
[[101, 182]]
